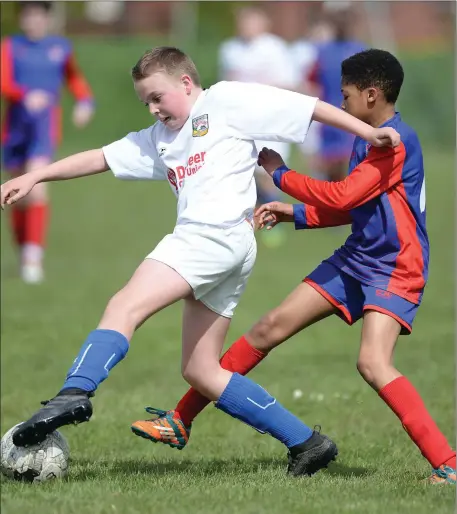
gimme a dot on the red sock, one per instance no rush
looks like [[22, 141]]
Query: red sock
[[18, 224], [36, 223], [401, 396], [241, 357]]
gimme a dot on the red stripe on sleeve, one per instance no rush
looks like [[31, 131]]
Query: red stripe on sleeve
[[9, 89], [380, 171], [317, 217], [407, 279], [76, 82]]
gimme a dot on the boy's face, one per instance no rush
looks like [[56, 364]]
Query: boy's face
[[168, 97], [251, 24], [35, 22], [358, 103]]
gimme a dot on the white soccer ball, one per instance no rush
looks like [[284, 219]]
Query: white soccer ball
[[37, 463]]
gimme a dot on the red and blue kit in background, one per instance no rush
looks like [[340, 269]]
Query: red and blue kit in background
[[326, 73], [383, 265], [26, 66]]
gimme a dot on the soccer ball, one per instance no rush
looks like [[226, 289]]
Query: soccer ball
[[37, 463]]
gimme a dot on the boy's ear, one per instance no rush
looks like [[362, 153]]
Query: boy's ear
[[372, 94], [187, 83]]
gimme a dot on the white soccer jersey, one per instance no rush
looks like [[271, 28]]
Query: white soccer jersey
[[210, 162], [266, 60]]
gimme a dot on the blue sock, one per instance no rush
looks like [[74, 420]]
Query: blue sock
[[102, 350], [245, 400]]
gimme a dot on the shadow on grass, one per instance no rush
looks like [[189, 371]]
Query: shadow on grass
[[340, 470], [84, 469]]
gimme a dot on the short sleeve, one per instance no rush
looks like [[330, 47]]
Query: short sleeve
[[267, 113], [135, 157]]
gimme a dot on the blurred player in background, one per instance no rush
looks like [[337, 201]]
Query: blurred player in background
[[256, 55], [34, 66], [304, 55], [335, 145]]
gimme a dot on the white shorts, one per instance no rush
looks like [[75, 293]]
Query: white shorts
[[216, 262]]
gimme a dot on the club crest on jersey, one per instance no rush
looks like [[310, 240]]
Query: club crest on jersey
[[200, 126], [367, 148]]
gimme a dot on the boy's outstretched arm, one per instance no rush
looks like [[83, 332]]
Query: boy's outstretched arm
[[303, 216], [381, 170], [330, 115], [79, 165]]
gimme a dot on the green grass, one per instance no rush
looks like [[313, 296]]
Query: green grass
[[101, 229]]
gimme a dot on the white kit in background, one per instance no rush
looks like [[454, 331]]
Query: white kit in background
[[304, 56], [265, 59]]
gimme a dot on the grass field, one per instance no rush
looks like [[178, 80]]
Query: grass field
[[101, 229]]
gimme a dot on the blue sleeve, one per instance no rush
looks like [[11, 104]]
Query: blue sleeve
[[300, 216]]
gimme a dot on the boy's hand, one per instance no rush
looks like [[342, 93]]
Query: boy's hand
[[269, 160], [385, 136], [37, 100], [82, 114], [15, 189], [273, 213]]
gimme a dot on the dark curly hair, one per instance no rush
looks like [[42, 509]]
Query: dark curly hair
[[374, 68]]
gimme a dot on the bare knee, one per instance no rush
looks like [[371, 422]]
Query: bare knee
[[371, 366], [208, 381], [120, 314], [116, 306], [191, 375], [268, 332], [366, 368], [195, 378], [198, 374]]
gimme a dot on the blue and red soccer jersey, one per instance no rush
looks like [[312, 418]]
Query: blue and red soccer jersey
[[384, 199], [28, 65], [326, 73]]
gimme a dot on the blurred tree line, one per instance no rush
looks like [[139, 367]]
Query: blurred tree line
[[215, 19]]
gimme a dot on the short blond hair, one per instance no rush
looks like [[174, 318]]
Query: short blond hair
[[169, 59]]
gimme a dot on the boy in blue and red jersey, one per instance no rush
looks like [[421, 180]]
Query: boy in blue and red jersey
[[378, 275], [34, 66], [334, 144]]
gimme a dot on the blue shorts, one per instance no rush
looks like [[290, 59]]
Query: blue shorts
[[352, 298], [28, 137]]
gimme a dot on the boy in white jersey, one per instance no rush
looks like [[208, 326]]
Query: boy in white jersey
[[203, 144]]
